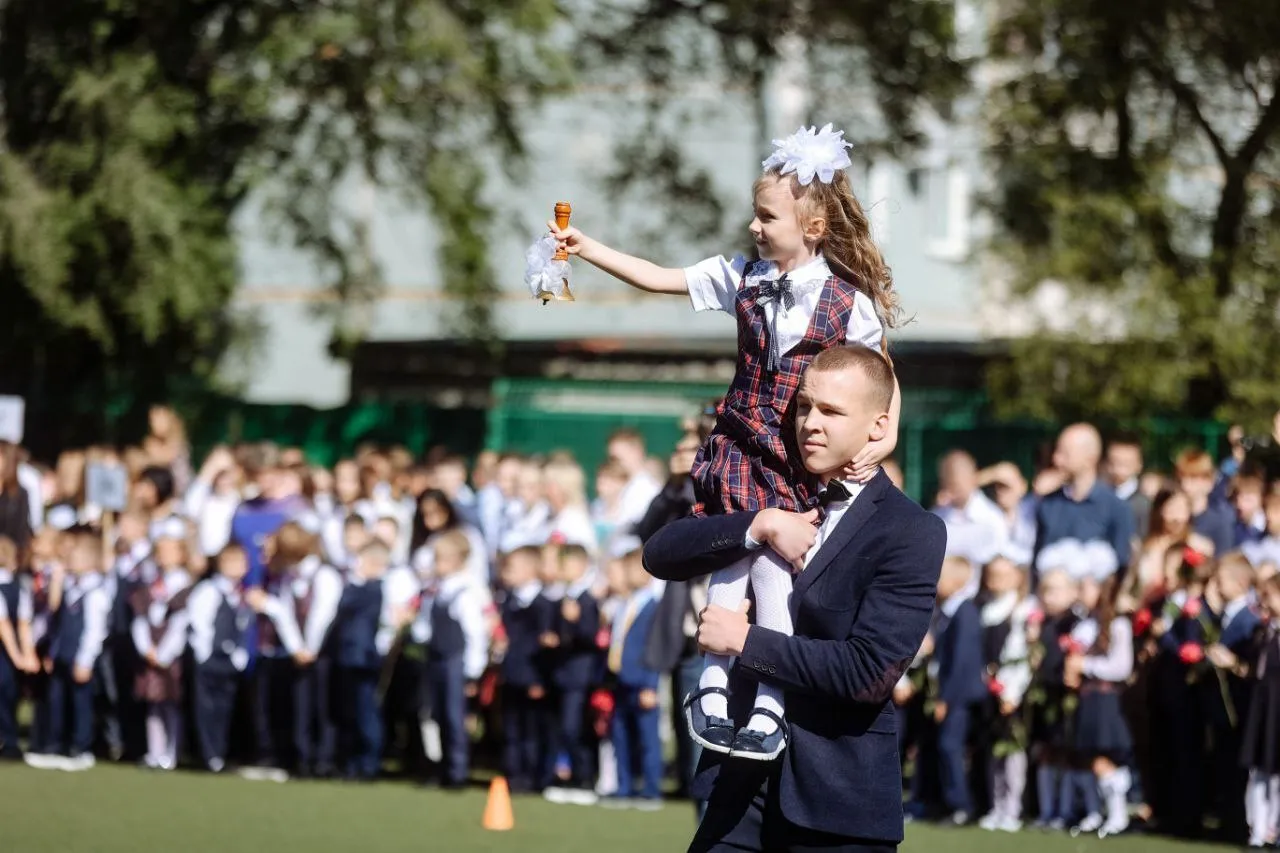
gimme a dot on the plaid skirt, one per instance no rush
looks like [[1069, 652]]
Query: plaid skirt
[[730, 476], [162, 684]]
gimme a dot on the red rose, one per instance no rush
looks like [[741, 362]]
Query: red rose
[[603, 638], [1064, 642], [1070, 645], [1191, 609], [556, 538], [1035, 617], [996, 687], [1142, 621], [1192, 557], [1190, 653]]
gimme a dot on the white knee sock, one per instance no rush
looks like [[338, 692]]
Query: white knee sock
[[157, 737], [1115, 789], [1273, 801], [1015, 783], [771, 582], [727, 589], [173, 734], [1257, 808]]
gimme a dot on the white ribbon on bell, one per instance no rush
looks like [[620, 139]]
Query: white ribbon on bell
[[811, 153], [544, 275]]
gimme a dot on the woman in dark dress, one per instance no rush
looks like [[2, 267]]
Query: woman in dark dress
[[15, 515]]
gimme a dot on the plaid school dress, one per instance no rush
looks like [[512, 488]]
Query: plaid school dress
[[750, 460]]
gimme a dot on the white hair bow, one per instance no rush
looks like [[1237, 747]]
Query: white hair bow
[[811, 152]]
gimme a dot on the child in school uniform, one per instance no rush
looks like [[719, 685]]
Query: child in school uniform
[[159, 631], [961, 689], [550, 596], [1260, 747], [360, 651], [280, 651], [17, 649], [81, 611], [1005, 612], [526, 616], [1048, 639], [219, 620], [308, 593], [1266, 550], [1236, 625], [452, 623], [1097, 666], [634, 732], [577, 624]]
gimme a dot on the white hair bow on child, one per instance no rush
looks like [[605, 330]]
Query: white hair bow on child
[[1095, 559], [809, 152]]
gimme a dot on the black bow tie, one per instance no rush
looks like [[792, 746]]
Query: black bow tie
[[835, 492], [781, 291]]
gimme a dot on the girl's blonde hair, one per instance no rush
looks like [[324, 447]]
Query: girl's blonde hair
[[847, 245]]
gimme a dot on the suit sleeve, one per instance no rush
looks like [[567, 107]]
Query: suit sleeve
[[689, 548], [886, 633]]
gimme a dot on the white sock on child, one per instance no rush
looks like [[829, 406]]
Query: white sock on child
[[771, 582], [173, 735], [1115, 788], [727, 589], [157, 736], [1257, 809], [1014, 770]]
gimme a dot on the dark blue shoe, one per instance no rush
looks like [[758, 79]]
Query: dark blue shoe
[[758, 746], [713, 733]]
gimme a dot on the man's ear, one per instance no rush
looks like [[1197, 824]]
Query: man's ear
[[879, 427]]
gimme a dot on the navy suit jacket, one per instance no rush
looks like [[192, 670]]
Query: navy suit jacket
[[860, 610]]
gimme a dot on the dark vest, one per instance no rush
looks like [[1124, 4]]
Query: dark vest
[[359, 613], [524, 625], [447, 638], [230, 625], [68, 629]]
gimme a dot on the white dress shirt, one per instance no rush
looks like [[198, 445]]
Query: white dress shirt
[[466, 607], [97, 611], [399, 586], [174, 638], [1117, 665], [26, 607], [977, 531], [714, 284], [325, 585], [202, 614], [212, 513], [833, 513]]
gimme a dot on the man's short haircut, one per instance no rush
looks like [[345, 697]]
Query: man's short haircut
[[869, 362]]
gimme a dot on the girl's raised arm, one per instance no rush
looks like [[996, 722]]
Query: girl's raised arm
[[637, 272]]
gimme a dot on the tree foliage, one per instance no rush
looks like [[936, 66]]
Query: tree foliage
[[132, 130], [1136, 152]]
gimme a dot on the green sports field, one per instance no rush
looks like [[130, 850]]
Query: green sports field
[[123, 810]]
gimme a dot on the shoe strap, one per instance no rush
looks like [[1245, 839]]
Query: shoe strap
[[705, 691], [782, 724]]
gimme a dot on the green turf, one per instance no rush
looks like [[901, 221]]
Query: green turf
[[123, 810]]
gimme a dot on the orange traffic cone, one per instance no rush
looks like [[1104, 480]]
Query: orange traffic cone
[[497, 811]]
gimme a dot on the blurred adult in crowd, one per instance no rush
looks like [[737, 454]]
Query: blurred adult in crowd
[[626, 447], [976, 529], [167, 446], [278, 500], [1017, 507], [212, 499], [1168, 533], [435, 517], [494, 501], [15, 515], [1084, 507], [569, 521], [1124, 471]]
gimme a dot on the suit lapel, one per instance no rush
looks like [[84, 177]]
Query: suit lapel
[[864, 506]]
